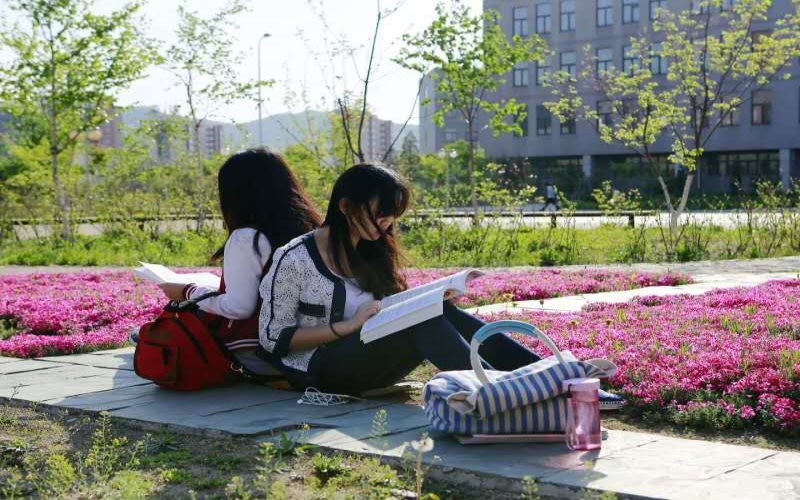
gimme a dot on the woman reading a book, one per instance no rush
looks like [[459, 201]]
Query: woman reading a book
[[323, 286], [263, 207]]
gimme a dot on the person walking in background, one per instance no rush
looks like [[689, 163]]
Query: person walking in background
[[550, 196]]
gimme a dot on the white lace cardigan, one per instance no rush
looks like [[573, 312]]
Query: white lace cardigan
[[298, 291]]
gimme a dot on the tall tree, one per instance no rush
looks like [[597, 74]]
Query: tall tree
[[352, 105], [68, 65], [712, 61], [204, 64], [470, 56]]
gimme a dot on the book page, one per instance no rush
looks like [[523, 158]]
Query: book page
[[391, 316], [160, 274], [455, 282]]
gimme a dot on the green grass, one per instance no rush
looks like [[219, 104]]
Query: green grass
[[57, 455], [115, 249], [427, 246]]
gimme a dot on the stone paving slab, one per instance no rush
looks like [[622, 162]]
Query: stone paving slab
[[359, 425], [16, 365], [279, 415], [777, 476], [119, 359], [63, 381], [665, 467]]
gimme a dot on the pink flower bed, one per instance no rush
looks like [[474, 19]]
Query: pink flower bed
[[546, 283], [48, 314], [723, 360]]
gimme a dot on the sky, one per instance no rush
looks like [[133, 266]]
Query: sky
[[288, 58]]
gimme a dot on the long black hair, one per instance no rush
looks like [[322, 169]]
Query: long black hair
[[376, 192], [258, 190]]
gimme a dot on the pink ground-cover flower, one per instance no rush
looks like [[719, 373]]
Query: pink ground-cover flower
[[739, 347], [77, 312], [516, 286]]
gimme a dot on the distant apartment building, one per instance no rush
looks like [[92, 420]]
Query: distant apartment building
[[760, 141], [431, 137], [210, 139], [376, 138]]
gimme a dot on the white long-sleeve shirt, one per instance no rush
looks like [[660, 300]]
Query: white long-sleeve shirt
[[242, 268]]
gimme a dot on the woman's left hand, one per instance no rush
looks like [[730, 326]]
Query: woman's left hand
[[173, 291]]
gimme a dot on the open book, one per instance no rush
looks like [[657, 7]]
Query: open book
[[159, 274], [413, 306]]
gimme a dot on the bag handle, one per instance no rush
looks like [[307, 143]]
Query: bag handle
[[188, 305], [496, 327]]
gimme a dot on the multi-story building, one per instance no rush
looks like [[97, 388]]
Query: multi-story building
[[761, 141], [431, 137], [376, 138]]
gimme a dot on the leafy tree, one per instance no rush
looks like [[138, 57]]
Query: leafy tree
[[204, 64], [68, 65], [409, 158], [713, 59], [315, 176], [469, 57]]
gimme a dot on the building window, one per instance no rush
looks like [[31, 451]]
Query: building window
[[543, 18], [754, 164], [520, 17], [568, 126], [520, 77], [630, 11], [761, 112], [629, 60], [568, 63], [605, 12], [727, 5], [605, 60], [658, 64], [542, 68], [655, 6], [729, 118], [450, 135], [567, 15], [544, 121], [630, 107], [523, 124], [604, 111]]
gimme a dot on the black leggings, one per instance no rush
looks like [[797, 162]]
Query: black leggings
[[349, 366]]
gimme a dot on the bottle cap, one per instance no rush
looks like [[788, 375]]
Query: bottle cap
[[581, 384]]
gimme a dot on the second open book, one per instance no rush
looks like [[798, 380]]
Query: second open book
[[413, 306]]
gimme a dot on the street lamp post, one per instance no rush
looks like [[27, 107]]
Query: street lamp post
[[260, 126]]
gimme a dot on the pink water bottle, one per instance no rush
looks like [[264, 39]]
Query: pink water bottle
[[583, 414]]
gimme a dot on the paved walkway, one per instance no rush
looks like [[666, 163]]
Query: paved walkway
[[630, 463], [703, 283], [705, 267]]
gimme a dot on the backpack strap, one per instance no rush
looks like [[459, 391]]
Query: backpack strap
[[189, 305]]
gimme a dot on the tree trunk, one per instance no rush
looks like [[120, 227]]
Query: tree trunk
[[675, 215], [471, 169], [61, 196], [198, 157]]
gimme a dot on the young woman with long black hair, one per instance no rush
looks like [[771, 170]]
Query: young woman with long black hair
[[263, 207], [324, 285]]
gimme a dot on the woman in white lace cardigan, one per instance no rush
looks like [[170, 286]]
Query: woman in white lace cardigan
[[324, 285]]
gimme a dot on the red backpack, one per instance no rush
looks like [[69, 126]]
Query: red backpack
[[180, 351]]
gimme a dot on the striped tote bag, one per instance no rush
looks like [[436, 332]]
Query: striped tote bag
[[527, 400]]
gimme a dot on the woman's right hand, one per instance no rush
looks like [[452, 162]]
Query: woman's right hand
[[365, 311]]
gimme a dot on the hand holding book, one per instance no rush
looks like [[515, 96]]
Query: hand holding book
[[413, 306]]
